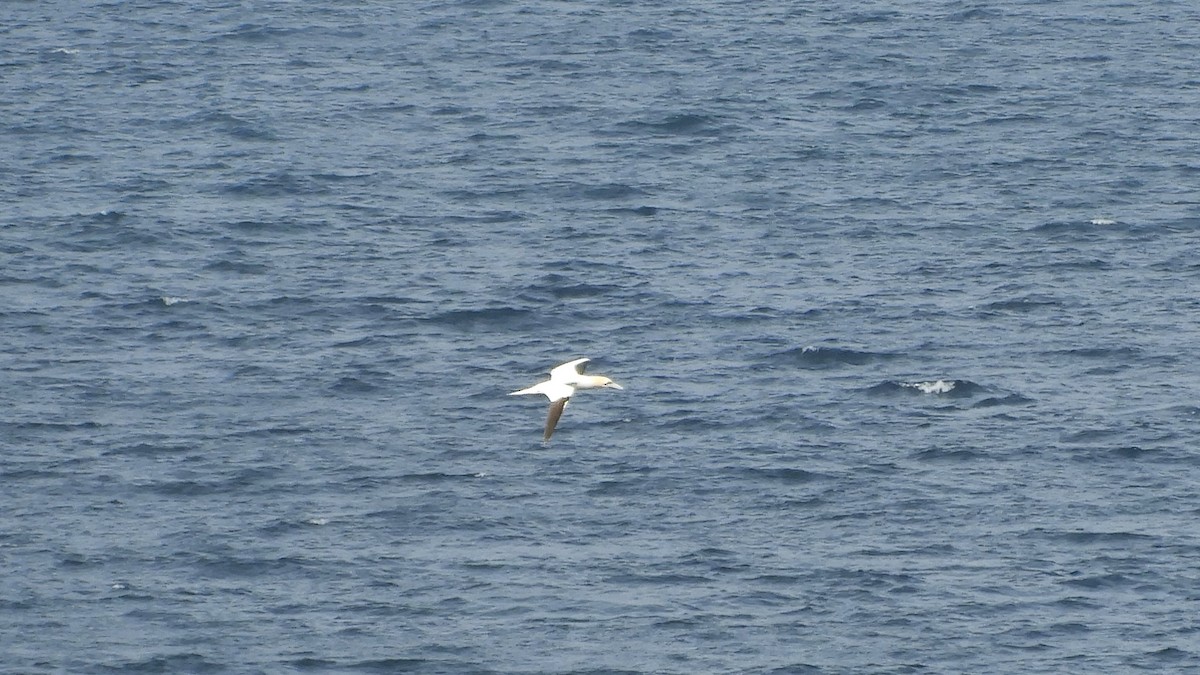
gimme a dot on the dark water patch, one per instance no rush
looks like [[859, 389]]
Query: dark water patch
[[192, 488], [677, 623], [1169, 655], [644, 211], [480, 196], [1121, 353], [254, 33], [359, 177], [232, 126], [974, 14], [576, 265], [1083, 537], [353, 385], [692, 420], [778, 579], [1097, 582], [822, 358], [16, 474], [782, 475], [237, 267], [136, 189], [80, 560], [313, 664], [276, 184], [241, 567], [807, 668], [658, 579], [390, 300], [173, 663], [947, 455], [158, 616], [283, 526], [151, 449], [486, 318], [1068, 628], [603, 192], [393, 312], [13, 248], [607, 671], [269, 226], [865, 17], [712, 557], [611, 488], [581, 290], [1016, 120], [1089, 436], [679, 124], [1083, 227], [272, 431], [384, 666], [650, 35], [436, 477], [366, 341], [253, 370], [1180, 264], [1075, 603], [1020, 305], [50, 426], [1080, 265], [106, 230], [745, 316], [1006, 400], [1186, 411], [811, 503], [861, 581], [169, 331], [866, 105], [1135, 452], [770, 598]]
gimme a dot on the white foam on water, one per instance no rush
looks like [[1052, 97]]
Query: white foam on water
[[934, 387]]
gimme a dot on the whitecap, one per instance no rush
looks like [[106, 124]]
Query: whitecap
[[1102, 221], [934, 387], [169, 300]]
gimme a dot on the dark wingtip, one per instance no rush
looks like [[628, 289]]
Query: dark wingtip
[[556, 410]]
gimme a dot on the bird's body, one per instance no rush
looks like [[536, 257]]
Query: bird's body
[[564, 381]]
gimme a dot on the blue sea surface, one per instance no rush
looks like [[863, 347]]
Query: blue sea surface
[[905, 298]]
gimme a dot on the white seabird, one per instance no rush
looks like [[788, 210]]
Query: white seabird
[[563, 382]]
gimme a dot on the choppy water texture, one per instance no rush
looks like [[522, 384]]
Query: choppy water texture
[[904, 297]]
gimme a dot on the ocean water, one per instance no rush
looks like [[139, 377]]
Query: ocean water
[[905, 298]]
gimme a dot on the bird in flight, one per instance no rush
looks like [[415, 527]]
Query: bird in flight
[[563, 382]]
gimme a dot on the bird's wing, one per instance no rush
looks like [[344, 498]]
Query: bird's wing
[[569, 370], [556, 410]]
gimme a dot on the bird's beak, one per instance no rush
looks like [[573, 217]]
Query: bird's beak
[[613, 385]]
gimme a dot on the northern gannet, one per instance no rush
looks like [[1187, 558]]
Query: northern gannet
[[563, 382]]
